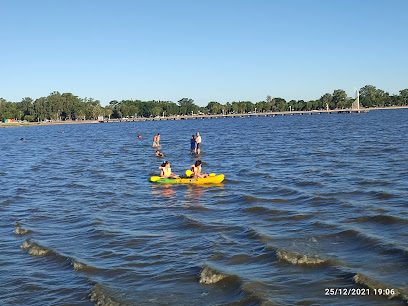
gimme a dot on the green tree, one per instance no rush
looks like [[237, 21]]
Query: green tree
[[108, 111], [156, 111], [186, 102], [260, 106], [404, 96], [187, 106], [280, 105], [327, 99], [215, 107], [70, 103], [26, 105], [368, 96], [339, 98], [170, 108], [55, 104], [40, 109]]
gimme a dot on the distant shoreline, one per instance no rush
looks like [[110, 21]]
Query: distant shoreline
[[15, 124], [18, 124]]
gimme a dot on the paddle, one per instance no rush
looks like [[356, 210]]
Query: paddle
[[189, 173]]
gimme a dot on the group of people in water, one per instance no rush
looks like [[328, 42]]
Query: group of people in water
[[195, 144], [156, 144], [195, 147]]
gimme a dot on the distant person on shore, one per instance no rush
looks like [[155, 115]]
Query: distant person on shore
[[165, 171], [196, 169], [192, 144], [159, 154], [198, 142]]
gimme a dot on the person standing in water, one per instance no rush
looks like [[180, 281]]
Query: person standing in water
[[192, 144], [158, 139], [154, 141], [198, 142]]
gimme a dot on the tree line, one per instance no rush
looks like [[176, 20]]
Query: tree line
[[66, 106]]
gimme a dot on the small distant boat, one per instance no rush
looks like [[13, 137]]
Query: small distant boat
[[356, 103]]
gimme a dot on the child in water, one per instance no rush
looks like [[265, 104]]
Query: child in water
[[159, 154], [192, 144], [165, 171], [196, 168]]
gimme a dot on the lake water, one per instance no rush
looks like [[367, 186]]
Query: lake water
[[309, 204]]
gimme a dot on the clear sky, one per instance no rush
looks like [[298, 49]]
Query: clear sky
[[222, 50]]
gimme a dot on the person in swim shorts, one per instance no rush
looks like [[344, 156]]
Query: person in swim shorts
[[154, 141], [198, 142]]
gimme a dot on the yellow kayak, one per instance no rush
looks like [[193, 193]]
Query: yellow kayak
[[214, 179]]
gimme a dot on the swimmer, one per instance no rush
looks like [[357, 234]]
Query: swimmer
[[192, 144]]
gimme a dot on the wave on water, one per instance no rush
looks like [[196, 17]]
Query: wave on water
[[383, 195], [246, 295], [250, 233], [211, 276], [373, 183], [192, 223], [264, 210], [251, 199], [365, 240], [375, 285], [382, 219], [102, 296], [294, 217], [99, 294], [6, 202], [34, 248], [308, 183], [298, 259], [38, 250], [79, 266], [20, 231]]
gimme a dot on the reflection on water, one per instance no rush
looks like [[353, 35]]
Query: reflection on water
[[165, 190], [194, 193]]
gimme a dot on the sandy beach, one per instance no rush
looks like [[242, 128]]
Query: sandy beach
[[14, 124]]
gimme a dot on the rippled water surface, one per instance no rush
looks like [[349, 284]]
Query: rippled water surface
[[309, 203]]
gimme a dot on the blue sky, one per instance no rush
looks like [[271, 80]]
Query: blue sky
[[225, 50]]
